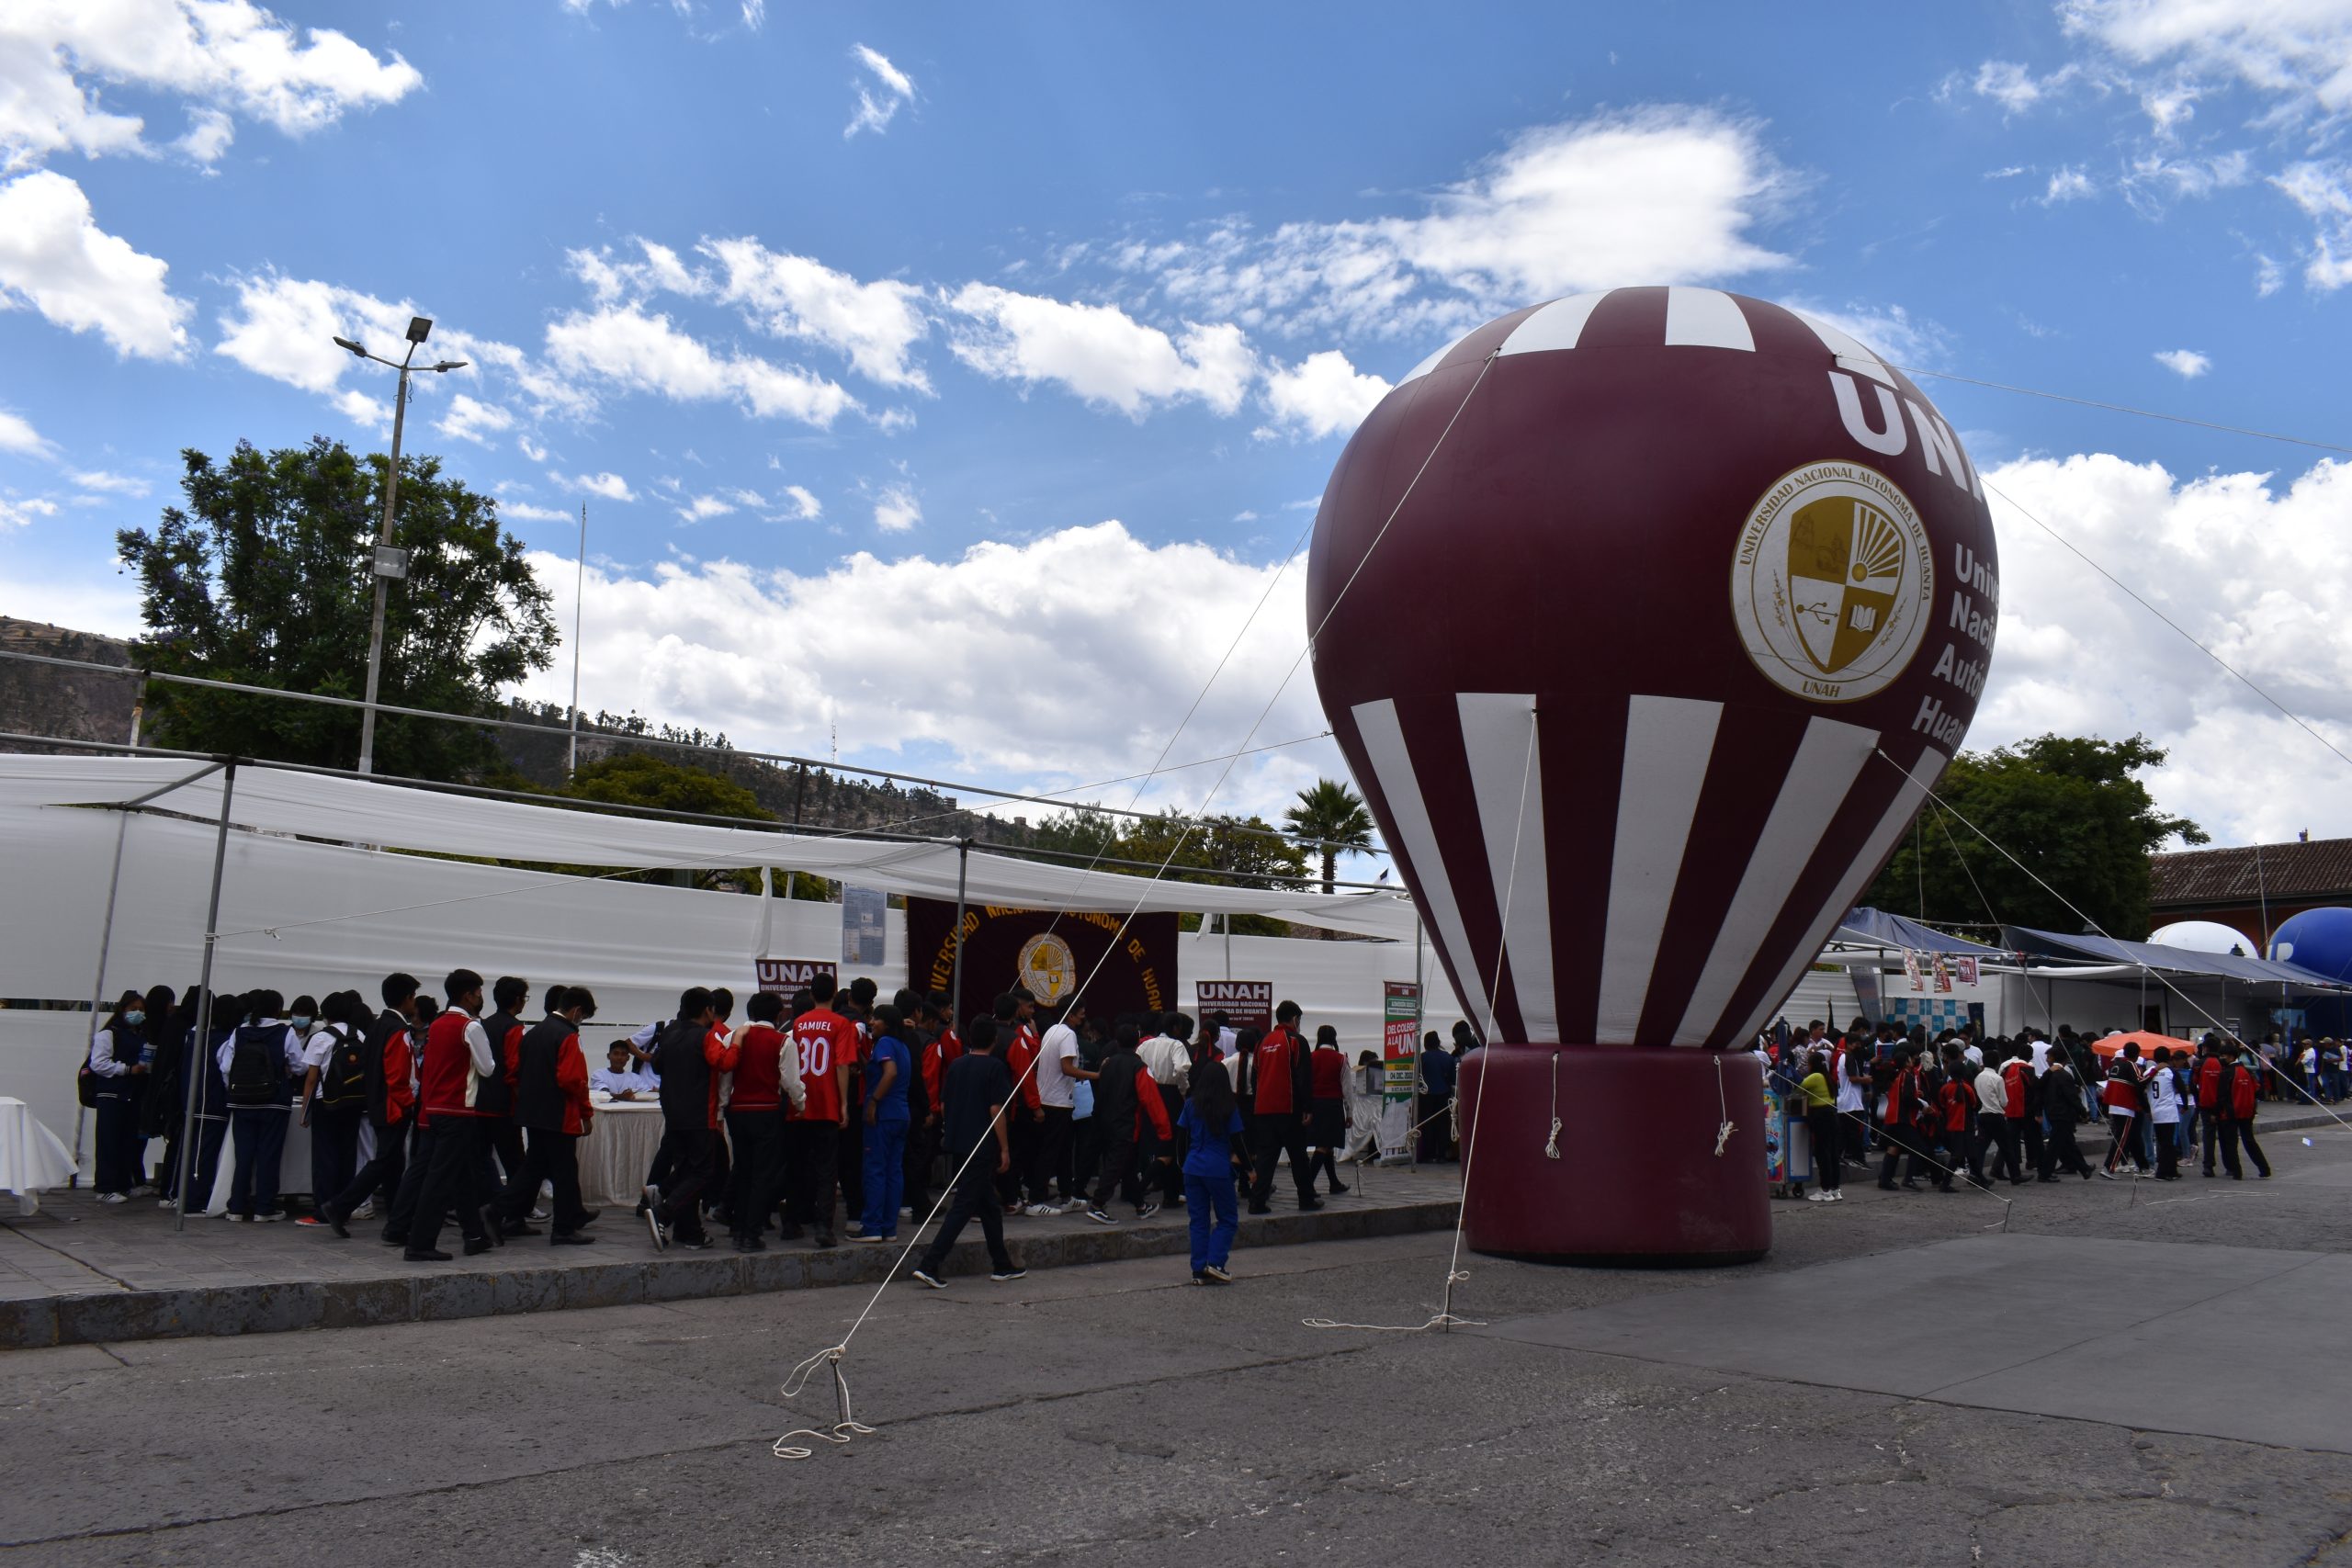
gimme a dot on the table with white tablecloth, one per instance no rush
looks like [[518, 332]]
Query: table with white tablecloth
[[33, 1158], [618, 1149]]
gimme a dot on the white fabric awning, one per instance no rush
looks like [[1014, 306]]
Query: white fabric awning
[[369, 811]]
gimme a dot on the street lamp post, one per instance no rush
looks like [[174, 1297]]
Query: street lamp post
[[391, 562]]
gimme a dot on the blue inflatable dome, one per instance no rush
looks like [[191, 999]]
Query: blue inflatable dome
[[2319, 940]]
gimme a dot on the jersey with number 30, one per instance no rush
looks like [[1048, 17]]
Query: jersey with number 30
[[824, 1040]]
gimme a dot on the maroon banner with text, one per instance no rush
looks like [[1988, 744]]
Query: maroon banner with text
[[1050, 953]]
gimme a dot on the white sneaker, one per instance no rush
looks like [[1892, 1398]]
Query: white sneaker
[[364, 1211], [114, 1198], [1816, 1197], [234, 1217], [1838, 1196], [1042, 1211]]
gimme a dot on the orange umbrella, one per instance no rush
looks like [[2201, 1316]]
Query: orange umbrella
[[2147, 1041]]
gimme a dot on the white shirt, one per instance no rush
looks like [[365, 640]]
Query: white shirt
[[2164, 1098], [1171, 1064], [1054, 1084], [1992, 1094], [1973, 1056], [625, 1081], [1850, 1093], [102, 1060]]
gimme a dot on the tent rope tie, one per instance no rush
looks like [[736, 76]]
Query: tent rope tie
[[1725, 1128], [1442, 1318], [1552, 1144], [842, 1430]]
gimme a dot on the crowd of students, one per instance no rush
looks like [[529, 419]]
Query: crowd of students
[[1956, 1107], [826, 1102]]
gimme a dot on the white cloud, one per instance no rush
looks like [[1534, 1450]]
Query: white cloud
[[106, 483], [608, 485], [630, 347], [755, 14], [368, 414], [2254, 568], [656, 267], [2268, 278], [529, 512], [54, 257], [531, 449], [1075, 687], [15, 513], [471, 419], [2296, 51], [57, 55], [700, 507], [879, 100], [1100, 352], [2323, 191], [209, 133], [804, 507], [875, 324], [1321, 395], [2015, 89], [2184, 362], [17, 434], [2069, 184], [1663, 194], [896, 510]]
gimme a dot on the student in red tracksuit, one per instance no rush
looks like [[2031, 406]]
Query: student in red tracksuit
[[693, 1054], [755, 1100], [1027, 1113], [551, 1107], [1898, 1116], [2023, 1088], [1952, 1101], [456, 1058], [1285, 1088]]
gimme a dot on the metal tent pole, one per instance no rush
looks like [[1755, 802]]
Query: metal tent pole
[[99, 982], [192, 1073], [956, 983]]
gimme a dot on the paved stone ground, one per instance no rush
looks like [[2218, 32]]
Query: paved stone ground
[[1113, 1415], [81, 1272]]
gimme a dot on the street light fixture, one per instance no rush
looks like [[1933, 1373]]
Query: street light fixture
[[391, 562]]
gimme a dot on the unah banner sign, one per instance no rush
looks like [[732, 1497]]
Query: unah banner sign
[[788, 975], [1400, 1043], [1247, 1004], [1050, 953]]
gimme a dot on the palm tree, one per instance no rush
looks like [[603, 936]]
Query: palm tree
[[1330, 818]]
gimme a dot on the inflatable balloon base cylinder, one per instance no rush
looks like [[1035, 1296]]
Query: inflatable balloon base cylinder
[[1639, 1180]]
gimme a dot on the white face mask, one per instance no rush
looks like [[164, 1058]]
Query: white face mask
[[301, 1021], [134, 1018]]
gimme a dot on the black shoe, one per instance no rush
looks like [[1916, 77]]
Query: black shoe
[[1337, 1188], [1911, 1186], [1260, 1209], [571, 1238], [413, 1255], [478, 1245], [587, 1217], [697, 1244], [519, 1228], [1310, 1202], [391, 1238], [336, 1218], [824, 1238], [792, 1232], [2050, 1179], [1886, 1186]]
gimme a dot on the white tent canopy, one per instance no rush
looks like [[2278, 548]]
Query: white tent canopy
[[392, 815]]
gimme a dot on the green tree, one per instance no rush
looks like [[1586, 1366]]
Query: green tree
[[1247, 845], [2070, 808], [263, 577], [637, 778], [1334, 813]]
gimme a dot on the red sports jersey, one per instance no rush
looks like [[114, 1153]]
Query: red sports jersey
[[449, 1080], [759, 1068], [935, 1059], [1019, 1057], [1328, 1068], [825, 1040]]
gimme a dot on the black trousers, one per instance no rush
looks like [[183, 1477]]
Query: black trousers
[[2058, 1151], [2167, 1138], [693, 1165], [381, 1174], [1898, 1141], [2028, 1129], [1085, 1155], [812, 1162], [1828, 1147], [260, 1137], [922, 1148], [506, 1141], [2242, 1131], [552, 1157], [1049, 1161], [757, 1149], [2218, 1140], [849, 1165], [452, 1180], [975, 1198], [1280, 1132], [1122, 1172], [1170, 1178], [335, 1151], [1998, 1133], [116, 1159], [1019, 1124]]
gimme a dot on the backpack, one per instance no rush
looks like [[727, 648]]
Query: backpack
[[86, 1085], [342, 1082], [2241, 1086], [256, 1065]]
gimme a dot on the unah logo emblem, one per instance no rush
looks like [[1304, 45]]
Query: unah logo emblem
[[1832, 583], [1048, 967]]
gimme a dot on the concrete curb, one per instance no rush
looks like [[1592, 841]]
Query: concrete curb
[[109, 1317]]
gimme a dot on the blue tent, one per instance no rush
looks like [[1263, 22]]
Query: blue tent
[[1897, 930], [2085, 948]]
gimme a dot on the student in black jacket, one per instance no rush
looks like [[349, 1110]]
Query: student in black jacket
[[974, 1094]]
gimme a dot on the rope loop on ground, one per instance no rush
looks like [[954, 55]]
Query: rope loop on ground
[[1552, 1144], [842, 1430]]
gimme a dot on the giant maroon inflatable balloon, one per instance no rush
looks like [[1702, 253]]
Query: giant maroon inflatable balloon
[[1645, 618]]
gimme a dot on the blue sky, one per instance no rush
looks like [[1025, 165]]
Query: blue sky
[[955, 381]]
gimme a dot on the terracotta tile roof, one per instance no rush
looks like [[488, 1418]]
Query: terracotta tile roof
[[2245, 872]]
